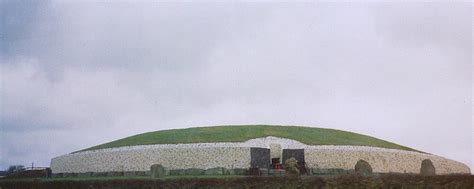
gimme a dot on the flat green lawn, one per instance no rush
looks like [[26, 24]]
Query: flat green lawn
[[240, 133]]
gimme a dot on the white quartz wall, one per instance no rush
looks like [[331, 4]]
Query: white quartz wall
[[380, 159], [237, 155], [142, 159]]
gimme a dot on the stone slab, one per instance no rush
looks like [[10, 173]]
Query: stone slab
[[298, 154], [260, 158]]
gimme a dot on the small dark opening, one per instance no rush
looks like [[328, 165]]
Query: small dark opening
[[275, 160], [276, 164]]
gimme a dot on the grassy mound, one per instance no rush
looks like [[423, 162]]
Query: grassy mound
[[240, 133]]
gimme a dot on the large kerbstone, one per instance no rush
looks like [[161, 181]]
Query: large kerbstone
[[291, 167], [334, 171], [99, 174], [237, 172], [363, 167], [178, 172], [130, 173], [87, 174], [215, 171], [158, 170], [194, 171], [427, 168], [70, 174], [145, 173], [115, 174]]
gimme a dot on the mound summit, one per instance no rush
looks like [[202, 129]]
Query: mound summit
[[241, 133]]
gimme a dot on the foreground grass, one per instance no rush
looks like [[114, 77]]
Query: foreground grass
[[109, 178], [241, 133], [220, 182]]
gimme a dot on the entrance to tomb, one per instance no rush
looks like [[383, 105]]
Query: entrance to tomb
[[275, 153], [298, 154]]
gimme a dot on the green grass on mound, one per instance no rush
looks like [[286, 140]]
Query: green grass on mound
[[240, 133]]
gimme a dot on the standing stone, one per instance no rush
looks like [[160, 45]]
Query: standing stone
[[260, 158], [291, 168], [427, 168], [158, 170], [48, 172], [363, 167]]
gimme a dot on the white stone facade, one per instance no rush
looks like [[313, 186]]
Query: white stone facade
[[135, 159], [237, 155], [380, 159]]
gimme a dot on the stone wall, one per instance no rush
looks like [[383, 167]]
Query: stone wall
[[142, 159], [382, 160], [237, 155]]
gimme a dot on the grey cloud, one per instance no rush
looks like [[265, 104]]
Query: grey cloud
[[425, 24], [112, 70], [19, 18]]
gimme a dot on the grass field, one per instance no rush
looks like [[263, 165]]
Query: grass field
[[106, 178], [240, 133], [387, 181]]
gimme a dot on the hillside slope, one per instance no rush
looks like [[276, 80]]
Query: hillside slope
[[241, 133]]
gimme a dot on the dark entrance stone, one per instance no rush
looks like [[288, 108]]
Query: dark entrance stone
[[363, 167], [260, 157], [298, 154], [427, 168], [48, 172]]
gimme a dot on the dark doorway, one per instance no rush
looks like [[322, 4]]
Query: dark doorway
[[260, 157], [276, 164]]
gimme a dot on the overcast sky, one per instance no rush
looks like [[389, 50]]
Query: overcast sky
[[77, 74]]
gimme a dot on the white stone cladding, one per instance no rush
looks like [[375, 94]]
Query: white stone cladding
[[136, 159], [380, 159], [237, 155]]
